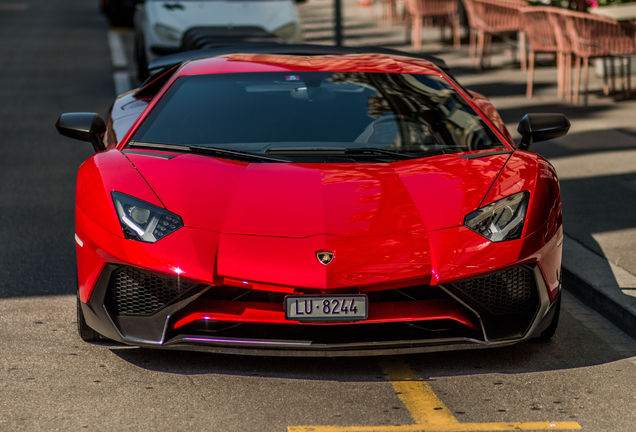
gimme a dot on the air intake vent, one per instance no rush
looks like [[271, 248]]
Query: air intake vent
[[507, 292], [133, 291], [212, 37]]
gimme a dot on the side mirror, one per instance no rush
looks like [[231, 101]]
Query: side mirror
[[84, 127], [541, 127]]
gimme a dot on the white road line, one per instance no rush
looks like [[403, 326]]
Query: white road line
[[122, 81], [117, 51], [121, 78]]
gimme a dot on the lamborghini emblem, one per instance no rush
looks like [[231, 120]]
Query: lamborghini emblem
[[325, 257]]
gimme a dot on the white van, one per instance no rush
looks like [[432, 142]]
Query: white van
[[167, 27]]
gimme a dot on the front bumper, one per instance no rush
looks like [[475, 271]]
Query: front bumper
[[508, 299], [140, 308], [213, 37]]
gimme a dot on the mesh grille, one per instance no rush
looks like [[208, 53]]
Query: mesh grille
[[507, 292], [212, 37], [136, 292]]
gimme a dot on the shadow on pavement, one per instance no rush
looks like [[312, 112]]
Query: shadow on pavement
[[594, 202], [572, 347], [504, 88]]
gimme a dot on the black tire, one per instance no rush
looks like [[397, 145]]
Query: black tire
[[85, 332], [547, 334]]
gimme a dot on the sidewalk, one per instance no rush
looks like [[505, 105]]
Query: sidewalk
[[596, 161]]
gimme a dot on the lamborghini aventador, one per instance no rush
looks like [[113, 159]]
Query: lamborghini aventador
[[318, 201]]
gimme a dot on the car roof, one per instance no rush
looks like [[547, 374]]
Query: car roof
[[283, 57], [302, 50], [237, 63]]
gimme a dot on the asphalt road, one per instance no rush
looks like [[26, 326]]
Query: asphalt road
[[54, 57]]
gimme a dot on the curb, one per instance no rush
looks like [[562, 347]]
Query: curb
[[613, 311], [601, 285]]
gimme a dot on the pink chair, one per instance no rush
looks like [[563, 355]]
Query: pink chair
[[541, 37], [564, 52], [444, 9], [389, 11], [497, 18], [591, 36], [469, 8]]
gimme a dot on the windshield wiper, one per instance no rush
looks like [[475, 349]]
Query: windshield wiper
[[335, 152], [210, 151], [377, 151], [363, 151], [409, 155]]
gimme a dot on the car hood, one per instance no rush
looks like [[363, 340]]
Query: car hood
[[268, 15], [301, 200]]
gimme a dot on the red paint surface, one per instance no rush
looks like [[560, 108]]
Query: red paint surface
[[378, 313], [388, 224]]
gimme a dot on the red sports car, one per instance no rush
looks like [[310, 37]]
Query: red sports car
[[318, 202]]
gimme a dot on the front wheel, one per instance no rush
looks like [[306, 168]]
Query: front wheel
[[547, 334], [85, 332]]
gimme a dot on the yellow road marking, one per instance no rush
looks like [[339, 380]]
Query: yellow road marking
[[425, 408], [461, 427], [428, 411]]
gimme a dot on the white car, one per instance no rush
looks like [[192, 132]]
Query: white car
[[167, 27]]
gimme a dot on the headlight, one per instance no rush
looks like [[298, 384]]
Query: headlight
[[167, 34], [143, 221], [285, 32], [502, 220]]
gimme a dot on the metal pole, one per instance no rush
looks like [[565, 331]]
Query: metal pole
[[337, 6]]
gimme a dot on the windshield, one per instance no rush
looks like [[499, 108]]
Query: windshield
[[288, 112]]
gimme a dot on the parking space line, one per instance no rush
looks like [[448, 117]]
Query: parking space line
[[122, 81], [117, 51], [424, 406], [428, 411], [121, 78]]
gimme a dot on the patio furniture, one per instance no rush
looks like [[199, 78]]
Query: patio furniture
[[501, 18], [541, 38], [591, 37], [390, 11], [564, 52], [469, 8], [447, 10]]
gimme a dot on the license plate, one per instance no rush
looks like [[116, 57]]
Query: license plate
[[326, 308]]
